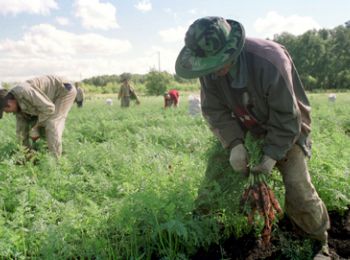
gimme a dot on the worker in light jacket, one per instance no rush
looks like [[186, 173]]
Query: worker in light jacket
[[40, 103]]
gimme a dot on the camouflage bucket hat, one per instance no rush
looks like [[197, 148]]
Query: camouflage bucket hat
[[3, 93], [210, 43]]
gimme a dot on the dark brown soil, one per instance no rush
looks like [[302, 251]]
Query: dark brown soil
[[339, 234], [248, 247]]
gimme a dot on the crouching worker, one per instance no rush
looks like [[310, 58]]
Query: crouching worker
[[171, 98], [40, 103], [252, 85]]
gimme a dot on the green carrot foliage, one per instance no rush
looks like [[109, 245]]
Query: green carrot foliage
[[128, 183]]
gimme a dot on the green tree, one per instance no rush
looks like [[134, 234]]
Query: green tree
[[339, 58], [156, 82], [322, 57]]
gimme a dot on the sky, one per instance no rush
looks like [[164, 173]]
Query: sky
[[79, 39]]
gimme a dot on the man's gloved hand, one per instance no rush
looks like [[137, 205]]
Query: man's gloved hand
[[34, 134], [239, 159], [265, 166]]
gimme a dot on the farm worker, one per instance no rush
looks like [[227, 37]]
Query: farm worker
[[171, 98], [127, 92], [40, 103], [79, 99], [252, 85]]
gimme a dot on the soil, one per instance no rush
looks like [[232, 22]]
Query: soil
[[248, 247]]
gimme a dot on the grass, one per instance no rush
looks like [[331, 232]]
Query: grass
[[127, 183]]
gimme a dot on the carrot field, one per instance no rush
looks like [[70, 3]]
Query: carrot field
[[127, 183]]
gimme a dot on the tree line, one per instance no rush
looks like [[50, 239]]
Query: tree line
[[155, 82], [322, 58]]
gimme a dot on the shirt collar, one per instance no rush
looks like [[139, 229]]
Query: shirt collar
[[238, 75]]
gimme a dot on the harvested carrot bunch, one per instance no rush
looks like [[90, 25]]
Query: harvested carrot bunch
[[258, 198]]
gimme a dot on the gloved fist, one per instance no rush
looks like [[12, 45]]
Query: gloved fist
[[34, 134], [265, 166], [238, 159]]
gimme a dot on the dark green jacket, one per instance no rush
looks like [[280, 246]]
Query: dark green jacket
[[266, 84]]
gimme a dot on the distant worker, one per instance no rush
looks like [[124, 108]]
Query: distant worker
[[40, 103], [80, 95], [126, 93], [171, 98]]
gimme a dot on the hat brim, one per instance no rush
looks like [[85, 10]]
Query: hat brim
[[188, 65]]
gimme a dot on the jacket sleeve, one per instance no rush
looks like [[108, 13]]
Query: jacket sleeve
[[284, 120], [42, 104], [219, 116], [133, 93]]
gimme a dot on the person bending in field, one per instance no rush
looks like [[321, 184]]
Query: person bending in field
[[171, 98], [79, 99], [250, 84], [40, 103], [126, 93]]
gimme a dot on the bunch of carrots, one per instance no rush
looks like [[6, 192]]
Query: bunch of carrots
[[258, 198]]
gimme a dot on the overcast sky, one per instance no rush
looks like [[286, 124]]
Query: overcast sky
[[83, 38]]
